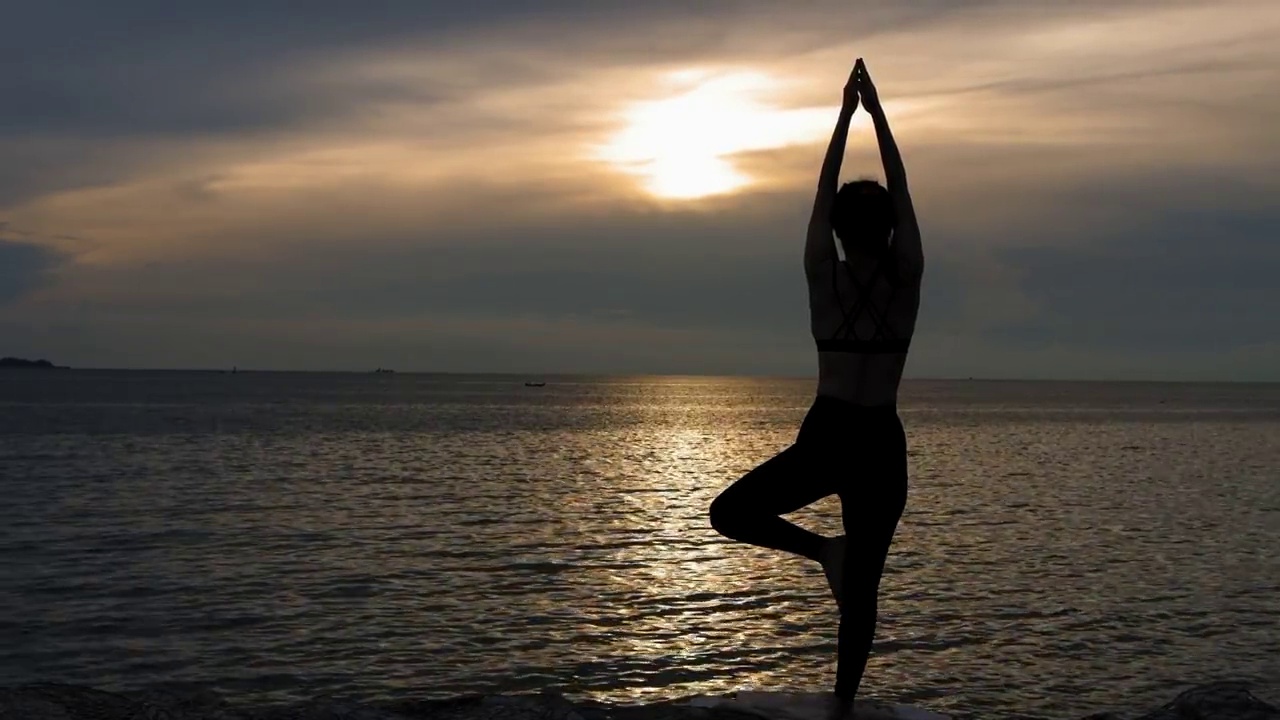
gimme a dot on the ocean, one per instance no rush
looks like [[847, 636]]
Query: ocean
[[1067, 548]]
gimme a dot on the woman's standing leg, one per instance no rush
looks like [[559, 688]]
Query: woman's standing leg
[[871, 508]]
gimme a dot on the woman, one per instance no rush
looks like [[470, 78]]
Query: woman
[[862, 313]]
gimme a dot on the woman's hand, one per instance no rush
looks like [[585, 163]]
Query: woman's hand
[[865, 88], [851, 89]]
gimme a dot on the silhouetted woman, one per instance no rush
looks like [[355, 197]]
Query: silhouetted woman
[[862, 312]]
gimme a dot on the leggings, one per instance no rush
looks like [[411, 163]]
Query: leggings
[[858, 453]]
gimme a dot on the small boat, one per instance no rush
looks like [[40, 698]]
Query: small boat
[[535, 384], [383, 371]]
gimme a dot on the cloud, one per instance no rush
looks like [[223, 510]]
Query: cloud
[[1195, 279], [350, 176], [24, 267]]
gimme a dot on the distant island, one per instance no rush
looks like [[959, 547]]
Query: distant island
[[13, 362]]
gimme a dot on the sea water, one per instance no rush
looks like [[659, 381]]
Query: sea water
[[1067, 548]]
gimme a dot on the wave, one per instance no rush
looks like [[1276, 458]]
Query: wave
[[46, 701]]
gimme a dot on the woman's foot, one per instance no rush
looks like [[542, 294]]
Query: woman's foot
[[838, 708], [832, 560]]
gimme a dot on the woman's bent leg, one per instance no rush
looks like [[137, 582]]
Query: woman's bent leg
[[749, 509]]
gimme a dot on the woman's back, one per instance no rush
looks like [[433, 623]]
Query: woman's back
[[862, 322]]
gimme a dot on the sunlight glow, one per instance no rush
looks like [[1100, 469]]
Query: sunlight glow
[[682, 145]]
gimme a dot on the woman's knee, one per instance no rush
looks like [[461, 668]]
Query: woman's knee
[[723, 515]]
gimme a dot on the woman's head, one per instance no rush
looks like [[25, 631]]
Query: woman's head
[[863, 218]]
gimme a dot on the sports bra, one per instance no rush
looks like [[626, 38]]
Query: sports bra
[[845, 339]]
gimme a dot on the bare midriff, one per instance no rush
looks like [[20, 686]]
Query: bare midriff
[[861, 379]]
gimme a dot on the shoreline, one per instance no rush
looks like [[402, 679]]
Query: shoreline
[[56, 701]]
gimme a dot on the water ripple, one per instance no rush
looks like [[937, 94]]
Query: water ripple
[[1061, 551]]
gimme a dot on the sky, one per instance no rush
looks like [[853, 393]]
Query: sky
[[587, 186]]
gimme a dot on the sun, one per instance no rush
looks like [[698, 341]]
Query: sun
[[682, 146]]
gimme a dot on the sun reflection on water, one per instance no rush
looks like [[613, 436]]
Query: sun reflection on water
[[486, 538]]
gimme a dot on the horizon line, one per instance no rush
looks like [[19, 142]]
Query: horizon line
[[528, 375]]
